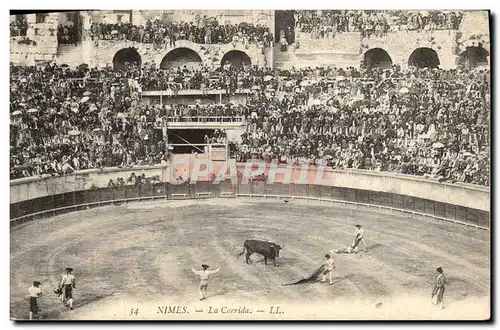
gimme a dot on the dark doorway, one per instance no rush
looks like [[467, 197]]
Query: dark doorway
[[187, 137], [424, 58], [377, 58], [473, 57], [180, 57], [284, 20], [236, 58], [125, 57]]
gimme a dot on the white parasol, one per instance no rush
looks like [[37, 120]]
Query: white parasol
[[87, 93], [404, 90], [268, 78], [84, 99], [340, 78], [32, 110], [16, 113], [438, 145]]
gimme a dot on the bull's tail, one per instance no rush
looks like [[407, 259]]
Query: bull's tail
[[244, 247]]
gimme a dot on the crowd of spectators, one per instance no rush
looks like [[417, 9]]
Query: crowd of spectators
[[327, 23], [134, 179], [18, 28], [416, 121], [68, 35], [229, 78], [202, 31], [64, 120], [422, 122]]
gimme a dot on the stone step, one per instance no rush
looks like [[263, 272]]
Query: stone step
[[348, 42], [330, 58]]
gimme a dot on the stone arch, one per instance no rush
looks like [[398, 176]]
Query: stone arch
[[424, 58], [124, 56], [473, 56], [377, 58], [181, 56], [237, 58]]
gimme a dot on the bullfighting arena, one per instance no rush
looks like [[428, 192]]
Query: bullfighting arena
[[138, 256]]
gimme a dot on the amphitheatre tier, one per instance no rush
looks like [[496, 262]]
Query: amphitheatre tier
[[139, 255]]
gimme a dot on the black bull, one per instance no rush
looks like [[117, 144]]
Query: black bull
[[267, 249]]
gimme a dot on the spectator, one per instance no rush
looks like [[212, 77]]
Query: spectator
[[415, 121]]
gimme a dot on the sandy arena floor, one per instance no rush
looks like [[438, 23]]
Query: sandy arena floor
[[139, 256]]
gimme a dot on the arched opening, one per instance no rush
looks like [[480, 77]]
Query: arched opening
[[377, 58], [126, 57], [284, 22], [180, 57], [424, 58], [236, 58], [473, 57]]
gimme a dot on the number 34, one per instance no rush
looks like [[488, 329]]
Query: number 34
[[134, 311]]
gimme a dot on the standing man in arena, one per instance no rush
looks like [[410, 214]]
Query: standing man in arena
[[328, 269], [204, 275], [35, 292], [439, 288], [358, 239], [67, 285]]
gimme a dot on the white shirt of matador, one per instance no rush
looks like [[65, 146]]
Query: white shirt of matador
[[205, 274]]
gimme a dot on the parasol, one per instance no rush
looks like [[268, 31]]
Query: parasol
[[255, 87], [271, 90], [84, 99], [467, 154], [438, 145], [340, 78], [32, 110], [74, 133], [404, 90], [268, 78], [16, 113], [87, 93]]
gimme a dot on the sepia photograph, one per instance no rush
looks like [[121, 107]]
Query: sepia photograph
[[243, 165]]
